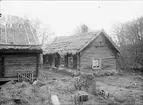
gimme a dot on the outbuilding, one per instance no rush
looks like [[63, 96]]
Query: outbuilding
[[19, 52], [88, 51]]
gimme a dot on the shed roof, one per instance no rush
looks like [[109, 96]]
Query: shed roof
[[73, 44], [16, 33]]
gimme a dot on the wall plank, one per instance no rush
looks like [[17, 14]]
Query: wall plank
[[106, 52], [14, 63]]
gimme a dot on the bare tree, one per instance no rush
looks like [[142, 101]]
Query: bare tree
[[130, 40], [81, 29], [44, 36], [44, 33]]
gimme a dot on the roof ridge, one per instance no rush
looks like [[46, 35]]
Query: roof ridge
[[91, 32]]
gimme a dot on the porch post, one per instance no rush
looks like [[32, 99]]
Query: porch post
[[53, 61], [37, 64], [78, 61]]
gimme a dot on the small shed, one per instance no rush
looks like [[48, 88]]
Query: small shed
[[87, 51], [19, 52]]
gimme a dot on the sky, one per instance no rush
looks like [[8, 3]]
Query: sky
[[62, 17]]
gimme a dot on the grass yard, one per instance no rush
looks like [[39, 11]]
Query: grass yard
[[123, 90]]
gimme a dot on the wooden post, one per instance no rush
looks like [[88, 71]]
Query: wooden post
[[65, 60], [3, 66], [53, 61], [78, 61], [32, 76], [37, 65], [116, 61]]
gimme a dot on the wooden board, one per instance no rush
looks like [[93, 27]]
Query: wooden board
[[14, 63]]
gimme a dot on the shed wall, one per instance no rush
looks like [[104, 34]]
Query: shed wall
[[15, 62]]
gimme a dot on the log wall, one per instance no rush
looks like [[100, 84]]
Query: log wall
[[0, 66], [15, 62], [99, 48]]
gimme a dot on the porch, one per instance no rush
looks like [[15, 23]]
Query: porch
[[67, 61]]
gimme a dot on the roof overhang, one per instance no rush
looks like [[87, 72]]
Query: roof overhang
[[20, 48]]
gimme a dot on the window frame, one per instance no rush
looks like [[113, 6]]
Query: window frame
[[94, 67]]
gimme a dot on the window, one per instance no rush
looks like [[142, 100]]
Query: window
[[96, 63], [70, 61]]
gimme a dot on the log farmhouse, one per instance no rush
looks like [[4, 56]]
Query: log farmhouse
[[87, 51], [19, 52]]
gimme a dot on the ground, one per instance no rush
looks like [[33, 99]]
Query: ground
[[125, 89], [122, 89]]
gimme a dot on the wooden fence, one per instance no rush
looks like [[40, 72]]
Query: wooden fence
[[27, 76]]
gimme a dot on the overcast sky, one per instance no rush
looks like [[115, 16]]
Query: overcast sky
[[64, 16]]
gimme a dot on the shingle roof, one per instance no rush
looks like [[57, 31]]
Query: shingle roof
[[70, 44], [16, 31]]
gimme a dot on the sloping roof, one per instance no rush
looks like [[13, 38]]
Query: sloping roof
[[16, 31], [36, 48], [74, 44]]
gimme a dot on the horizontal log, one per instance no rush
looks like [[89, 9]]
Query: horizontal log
[[15, 68], [20, 64]]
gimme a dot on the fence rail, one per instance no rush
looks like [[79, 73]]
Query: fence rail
[[27, 76]]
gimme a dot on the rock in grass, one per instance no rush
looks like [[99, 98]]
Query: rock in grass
[[55, 100], [38, 83]]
